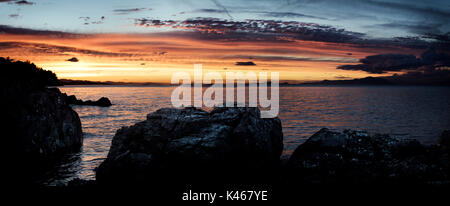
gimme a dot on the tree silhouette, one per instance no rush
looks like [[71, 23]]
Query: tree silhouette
[[25, 75]]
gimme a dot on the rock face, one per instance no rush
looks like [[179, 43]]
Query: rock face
[[38, 121], [192, 139], [356, 157], [42, 124], [49, 124], [102, 102]]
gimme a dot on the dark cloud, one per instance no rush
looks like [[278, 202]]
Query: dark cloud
[[15, 30], [23, 2], [14, 16], [294, 58], [245, 64], [439, 40], [129, 11], [432, 59], [287, 31], [37, 48], [438, 37], [217, 11], [259, 29], [342, 77], [73, 59], [87, 20], [17, 2], [382, 63]]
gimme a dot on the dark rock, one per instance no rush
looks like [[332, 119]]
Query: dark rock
[[102, 102], [193, 140], [41, 124], [48, 124], [38, 122], [356, 157], [81, 183]]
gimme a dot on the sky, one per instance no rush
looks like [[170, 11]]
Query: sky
[[147, 41]]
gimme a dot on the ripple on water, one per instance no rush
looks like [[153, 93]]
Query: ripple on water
[[418, 112]]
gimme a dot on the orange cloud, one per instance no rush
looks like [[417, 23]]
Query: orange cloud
[[155, 56]]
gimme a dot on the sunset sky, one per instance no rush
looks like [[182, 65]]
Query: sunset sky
[[146, 41]]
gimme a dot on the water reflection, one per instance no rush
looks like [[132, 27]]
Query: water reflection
[[415, 112]]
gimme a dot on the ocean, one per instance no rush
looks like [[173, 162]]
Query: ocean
[[415, 112]]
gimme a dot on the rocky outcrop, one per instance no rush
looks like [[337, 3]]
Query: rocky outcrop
[[193, 140], [48, 124], [356, 157], [38, 121], [102, 102]]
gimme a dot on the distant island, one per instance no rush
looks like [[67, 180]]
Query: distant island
[[442, 78], [86, 82]]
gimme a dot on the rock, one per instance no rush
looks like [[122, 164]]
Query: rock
[[38, 124], [356, 157], [41, 124], [102, 102], [48, 125], [192, 139], [81, 183], [38, 120]]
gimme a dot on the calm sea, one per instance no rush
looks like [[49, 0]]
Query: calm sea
[[407, 112]]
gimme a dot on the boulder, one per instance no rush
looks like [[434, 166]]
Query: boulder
[[191, 139], [48, 125], [38, 125], [38, 120], [357, 157], [102, 102]]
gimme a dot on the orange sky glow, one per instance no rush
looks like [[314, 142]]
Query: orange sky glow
[[154, 57]]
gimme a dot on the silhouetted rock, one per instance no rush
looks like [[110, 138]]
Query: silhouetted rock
[[81, 183], [226, 139], [356, 157], [48, 124], [102, 102], [38, 122]]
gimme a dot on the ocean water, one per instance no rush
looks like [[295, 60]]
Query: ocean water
[[421, 113]]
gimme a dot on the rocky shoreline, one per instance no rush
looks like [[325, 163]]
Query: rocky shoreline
[[102, 102], [179, 146], [236, 145], [38, 120], [39, 125]]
